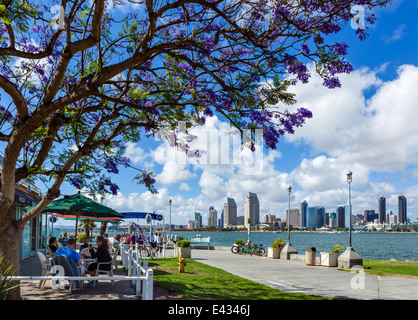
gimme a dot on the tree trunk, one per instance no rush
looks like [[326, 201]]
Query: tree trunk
[[103, 228], [9, 246]]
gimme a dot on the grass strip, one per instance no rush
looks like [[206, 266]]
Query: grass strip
[[391, 268], [203, 282]]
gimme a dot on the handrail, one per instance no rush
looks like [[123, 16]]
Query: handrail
[[128, 259], [132, 263]]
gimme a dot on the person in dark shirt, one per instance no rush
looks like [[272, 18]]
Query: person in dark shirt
[[102, 255], [53, 244]]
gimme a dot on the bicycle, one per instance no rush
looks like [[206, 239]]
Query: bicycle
[[259, 250], [246, 248], [235, 248]]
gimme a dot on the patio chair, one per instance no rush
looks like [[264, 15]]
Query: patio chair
[[50, 253], [70, 269], [86, 252], [46, 268], [112, 264]]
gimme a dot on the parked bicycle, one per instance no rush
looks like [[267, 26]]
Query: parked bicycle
[[259, 250]]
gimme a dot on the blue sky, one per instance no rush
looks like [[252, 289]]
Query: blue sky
[[368, 126]]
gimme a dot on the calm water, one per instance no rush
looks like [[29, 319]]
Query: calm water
[[375, 246]]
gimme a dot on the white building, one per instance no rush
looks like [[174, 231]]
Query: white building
[[252, 209], [213, 217]]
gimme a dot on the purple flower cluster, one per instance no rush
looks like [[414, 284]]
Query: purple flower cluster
[[111, 166], [75, 181]]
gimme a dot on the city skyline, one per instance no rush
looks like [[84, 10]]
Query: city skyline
[[357, 127]]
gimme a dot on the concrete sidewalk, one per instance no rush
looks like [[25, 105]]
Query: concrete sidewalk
[[295, 276]]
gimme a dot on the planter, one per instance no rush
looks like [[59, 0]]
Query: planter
[[329, 259], [273, 253], [184, 252]]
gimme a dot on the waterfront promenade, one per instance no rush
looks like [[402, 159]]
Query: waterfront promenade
[[295, 276], [285, 275]]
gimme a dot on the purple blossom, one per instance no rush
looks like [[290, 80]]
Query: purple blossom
[[76, 181], [332, 83], [340, 48], [111, 167]]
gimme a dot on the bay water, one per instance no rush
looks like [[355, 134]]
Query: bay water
[[370, 245]]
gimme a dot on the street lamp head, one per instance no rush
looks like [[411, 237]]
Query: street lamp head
[[169, 202], [349, 176], [289, 190]]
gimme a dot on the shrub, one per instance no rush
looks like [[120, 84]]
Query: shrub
[[337, 248], [183, 243], [5, 284], [279, 243], [239, 241], [81, 237]]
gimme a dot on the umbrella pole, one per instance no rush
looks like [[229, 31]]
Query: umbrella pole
[[76, 227]]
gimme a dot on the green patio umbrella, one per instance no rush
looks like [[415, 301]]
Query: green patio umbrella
[[79, 205]]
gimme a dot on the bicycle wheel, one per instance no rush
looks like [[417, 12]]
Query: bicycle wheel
[[261, 252], [143, 252], [234, 249]]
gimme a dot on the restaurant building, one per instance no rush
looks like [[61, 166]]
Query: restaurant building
[[34, 236]]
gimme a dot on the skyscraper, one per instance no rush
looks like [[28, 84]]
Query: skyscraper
[[213, 217], [198, 218], [303, 207], [402, 217], [294, 217], [340, 217], [381, 205], [252, 209], [230, 213], [315, 217], [333, 220]]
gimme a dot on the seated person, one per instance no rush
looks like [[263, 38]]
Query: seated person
[[69, 251], [85, 244], [102, 255], [64, 239], [52, 244]]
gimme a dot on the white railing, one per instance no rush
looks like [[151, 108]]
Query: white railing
[[134, 265], [131, 263]]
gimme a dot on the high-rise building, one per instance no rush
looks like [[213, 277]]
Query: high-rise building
[[252, 209], [381, 205], [303, 207], [402, 217], [213, 217], [230, 213], [340, 217], [347, 216], [333, 220], [198, 218], [315, 217], [370, 215], [221, 220], [294, 217]]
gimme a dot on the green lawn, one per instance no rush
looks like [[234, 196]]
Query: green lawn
[[390, 268], [204, 282]]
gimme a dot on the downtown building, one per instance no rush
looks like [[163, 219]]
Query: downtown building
[[230, 213], [294, 217], [315, 217], [213, 217], [252, 209], [402, 217], [381, 206]]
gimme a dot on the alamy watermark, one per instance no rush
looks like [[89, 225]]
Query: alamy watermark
[[244, 149], [358, 19], [358, 280]]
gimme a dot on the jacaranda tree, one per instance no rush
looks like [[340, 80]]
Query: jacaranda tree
[[78, 83]]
